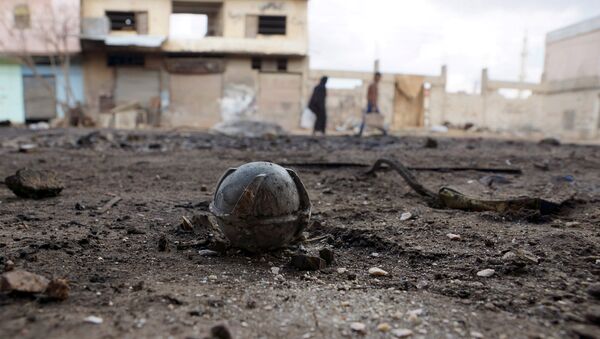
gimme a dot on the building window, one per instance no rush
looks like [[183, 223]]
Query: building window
[[256, 63], [121, 21], [282, 65], [125, 60], [22, 16], [272, 25]]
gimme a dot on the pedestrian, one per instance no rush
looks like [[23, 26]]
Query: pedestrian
[[372, 103], [317, 105]]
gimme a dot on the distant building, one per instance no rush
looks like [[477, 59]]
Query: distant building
[[572, 79], [196, 63], [40, 74]]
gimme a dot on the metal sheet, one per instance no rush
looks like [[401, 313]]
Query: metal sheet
[[39, 98], [137, 84]]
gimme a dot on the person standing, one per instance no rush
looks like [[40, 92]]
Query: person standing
[[317, 105], [372, 102]]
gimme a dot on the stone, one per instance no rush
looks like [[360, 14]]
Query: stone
[[58, 289], [453, 236], [220, 332], [163, 243], [208, 253], [431, 143], [9, 265], [509, 256], [27, 148], [402, 333], [488, 272], [593, 290], [384, 327], [275, 270], [328, 255], [405, 216], [305, 262], [34, 184], [377, 272], [342, 270], [592, 315], [23, 281], [92, 319], [358, 327]]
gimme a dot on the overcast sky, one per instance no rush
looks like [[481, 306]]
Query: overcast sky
[[418, 36]]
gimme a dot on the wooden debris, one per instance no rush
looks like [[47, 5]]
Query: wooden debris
[[109, 205]]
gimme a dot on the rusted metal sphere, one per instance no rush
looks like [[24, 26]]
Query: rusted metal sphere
[[261, 206]]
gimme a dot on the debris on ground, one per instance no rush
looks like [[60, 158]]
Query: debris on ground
[[92, 319], [377, 272], [163, 243], [328, 255], [23, 281], [491, 180], [431, 143], [208, 253], [594, 290], [58, 289], [248, 129], [384, 327], [358, 327], [220, 331], [453, 236], [34, 184], [549, 142], [450, 198], [304, 262], [402, 333], [405, 216], [486, 273], [186, 224], [27, 148], [109, 205]]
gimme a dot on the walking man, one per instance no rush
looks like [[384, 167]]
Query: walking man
[[372, 106], [317, 105]]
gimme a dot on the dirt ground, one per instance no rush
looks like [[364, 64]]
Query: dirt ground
[[116, 271]]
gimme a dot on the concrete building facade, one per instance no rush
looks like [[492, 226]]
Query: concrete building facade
[[40, 39], [247, 58]]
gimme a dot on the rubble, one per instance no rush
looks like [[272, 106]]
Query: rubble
[[453, 236], [358, 327], [92, 319], [377, 272], [34, 184], [328, 255], [23, 281], [248, 128], [58, 289], [402, 333], [305, 262], [486, 273]]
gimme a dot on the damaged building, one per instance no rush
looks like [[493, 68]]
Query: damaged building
[[40, 69], [194, 63]]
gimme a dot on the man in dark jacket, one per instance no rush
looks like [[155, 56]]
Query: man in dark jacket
[[317, 106]]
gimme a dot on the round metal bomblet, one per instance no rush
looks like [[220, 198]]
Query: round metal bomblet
[[261, 206]]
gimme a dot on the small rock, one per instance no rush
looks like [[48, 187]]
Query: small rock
[[402, 333], [358, 327], [212, 277], [23, 281], [92, 319], [351, 276], [475, 334], [509, 256], [593, 290], [203, 188], [528, 256], [58, 289], [375, 255], [488, 272], [377, 272], [405, 216], [550, 142], [220, 332], [431, 143], [328, 255], [572, 223], [593, 314], [305, 262], [80, 207], [163, 243], [9, 265], [384, 327], [34, 184], [453, 236], [275, 270], [342, 270], [208, 253], [27, 148]]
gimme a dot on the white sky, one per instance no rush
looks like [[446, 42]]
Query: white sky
[[418, 36]]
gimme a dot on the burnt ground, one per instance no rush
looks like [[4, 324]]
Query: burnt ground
[[116, 271]]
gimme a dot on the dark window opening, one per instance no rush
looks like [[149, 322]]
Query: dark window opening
[[125, 60], [272, 25], [282, 65], [22, 17], [121, 21], [256, 63]]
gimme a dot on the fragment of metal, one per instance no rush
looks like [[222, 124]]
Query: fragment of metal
[[261, 206]]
